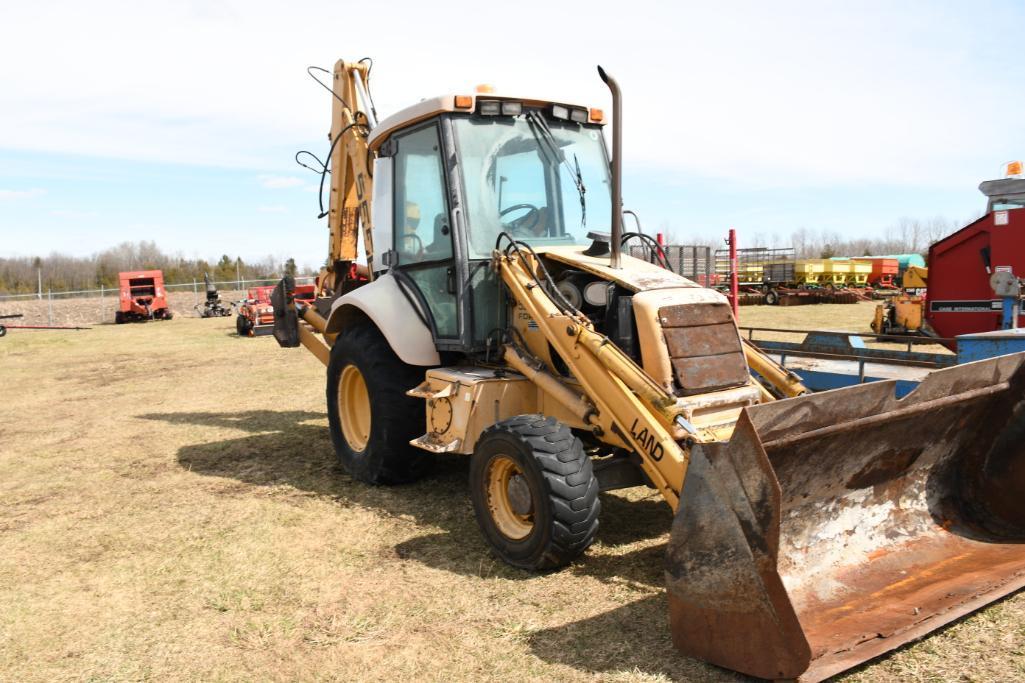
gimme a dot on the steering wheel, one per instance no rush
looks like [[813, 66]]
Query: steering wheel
[[419, 253], [526, 223]]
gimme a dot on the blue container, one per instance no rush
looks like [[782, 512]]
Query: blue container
[[973, 347]]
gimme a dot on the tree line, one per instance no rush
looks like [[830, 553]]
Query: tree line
[[63, 273]]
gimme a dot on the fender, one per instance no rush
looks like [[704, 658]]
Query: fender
[[387, 307]]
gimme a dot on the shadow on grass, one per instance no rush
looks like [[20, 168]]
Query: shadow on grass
[[294, 448], [639, 642]]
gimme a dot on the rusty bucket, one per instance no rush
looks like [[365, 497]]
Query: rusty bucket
[[835, 527]]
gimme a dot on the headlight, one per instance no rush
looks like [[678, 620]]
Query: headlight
[[489, 107]]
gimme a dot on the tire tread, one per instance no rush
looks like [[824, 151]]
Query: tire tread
[[570, 484]]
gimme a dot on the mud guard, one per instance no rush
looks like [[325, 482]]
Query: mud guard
[[286, 318]]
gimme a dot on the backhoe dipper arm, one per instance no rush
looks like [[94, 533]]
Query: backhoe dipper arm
[[629, 408], [351, 175]]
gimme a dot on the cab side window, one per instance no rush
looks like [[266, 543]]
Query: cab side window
[[422, 231], [423, 237]]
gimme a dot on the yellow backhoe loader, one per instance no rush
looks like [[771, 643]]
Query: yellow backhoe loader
[[491, 312]]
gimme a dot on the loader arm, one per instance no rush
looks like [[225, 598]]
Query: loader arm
[[629, 409]]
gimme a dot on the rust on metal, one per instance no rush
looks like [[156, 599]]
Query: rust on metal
[[704, 347], [835, 527], [688, 316], [701, 340]]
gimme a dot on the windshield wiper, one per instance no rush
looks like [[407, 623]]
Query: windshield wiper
[[543, 134]]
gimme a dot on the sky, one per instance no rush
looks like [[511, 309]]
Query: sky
[[178, 122]]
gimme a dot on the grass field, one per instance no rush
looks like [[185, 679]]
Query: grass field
[[170, 510]]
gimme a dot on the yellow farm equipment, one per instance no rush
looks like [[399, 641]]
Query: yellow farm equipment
[[905, 313], [860, 272], [493, 314], [835, 273], [808, 271]]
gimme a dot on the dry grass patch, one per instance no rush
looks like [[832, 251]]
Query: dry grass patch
[[171, 511]]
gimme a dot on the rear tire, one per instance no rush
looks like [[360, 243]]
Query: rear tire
[[534, 492], [119, 318], [370, 417], [772, 297], [243, 326]]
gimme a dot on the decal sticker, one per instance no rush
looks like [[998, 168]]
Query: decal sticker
[[647, 442], [978, 306]]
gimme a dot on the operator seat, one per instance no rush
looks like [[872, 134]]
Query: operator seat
[[409, 242]]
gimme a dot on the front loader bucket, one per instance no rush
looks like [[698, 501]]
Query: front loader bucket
[[834, 527]]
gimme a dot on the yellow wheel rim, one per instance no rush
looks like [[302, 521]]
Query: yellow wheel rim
[[354, 408], [509, 499]]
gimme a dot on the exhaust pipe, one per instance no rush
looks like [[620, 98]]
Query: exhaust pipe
[[616, 226]]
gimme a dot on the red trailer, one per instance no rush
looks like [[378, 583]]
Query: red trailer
[[959, 299], [884, 271], [143, 297]]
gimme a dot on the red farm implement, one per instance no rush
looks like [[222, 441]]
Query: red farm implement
[[143, 297], [256, 314], [7, 326]]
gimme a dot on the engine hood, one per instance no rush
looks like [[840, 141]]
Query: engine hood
[[635, 274]]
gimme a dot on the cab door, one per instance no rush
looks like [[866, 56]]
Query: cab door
[[422, 234]]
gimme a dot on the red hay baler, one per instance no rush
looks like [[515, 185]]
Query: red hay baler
[[143, 297]]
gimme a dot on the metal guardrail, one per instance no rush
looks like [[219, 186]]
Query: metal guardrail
[[849, 346]]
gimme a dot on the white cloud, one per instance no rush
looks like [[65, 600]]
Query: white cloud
[[271, 209], [796, 94], [278, 182], [20, 194]]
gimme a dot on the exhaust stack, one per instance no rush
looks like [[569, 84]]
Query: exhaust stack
[[616, 226]]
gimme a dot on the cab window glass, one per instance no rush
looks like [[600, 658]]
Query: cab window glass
[[421, 219]]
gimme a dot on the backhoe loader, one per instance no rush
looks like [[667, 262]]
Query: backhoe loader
[[477, 300]]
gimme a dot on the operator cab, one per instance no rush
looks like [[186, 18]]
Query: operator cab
[[454, 172]]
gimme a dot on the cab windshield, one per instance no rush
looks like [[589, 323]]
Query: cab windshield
[[544, 181]]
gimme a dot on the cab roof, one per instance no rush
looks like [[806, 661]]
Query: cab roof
[[432, 106]]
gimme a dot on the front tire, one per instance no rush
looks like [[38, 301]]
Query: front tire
[[370, 417], [534, 492], [243, 326]]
